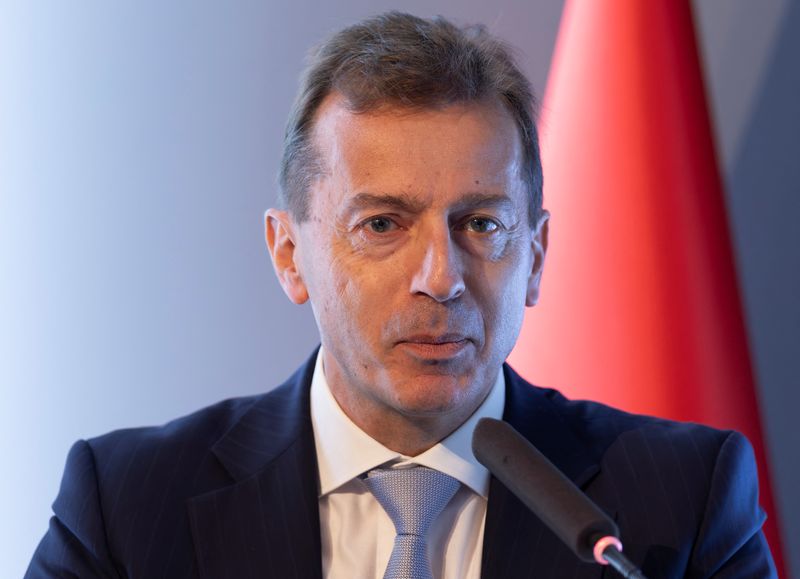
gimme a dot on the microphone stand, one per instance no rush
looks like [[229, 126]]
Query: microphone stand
[[608, 551], [563, 507]]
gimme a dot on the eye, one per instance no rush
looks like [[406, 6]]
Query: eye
[[379, 224], [481, 225]]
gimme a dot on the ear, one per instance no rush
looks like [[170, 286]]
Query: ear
[[279, 230], [539, 249]]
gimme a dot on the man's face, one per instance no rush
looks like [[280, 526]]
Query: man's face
[[417, 255]]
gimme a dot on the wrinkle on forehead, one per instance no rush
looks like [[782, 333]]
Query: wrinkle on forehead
[[365, 145]]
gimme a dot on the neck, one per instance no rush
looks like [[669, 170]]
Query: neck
[[407, 433], [406, 412], [409, 436]]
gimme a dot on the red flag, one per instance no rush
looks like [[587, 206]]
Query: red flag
[[639, 305]]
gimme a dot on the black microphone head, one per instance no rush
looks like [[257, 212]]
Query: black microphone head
[[544, 489]]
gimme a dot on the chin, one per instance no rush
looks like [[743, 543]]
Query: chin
[[433, 396]]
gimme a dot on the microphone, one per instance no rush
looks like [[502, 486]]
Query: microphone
[[545, 490]]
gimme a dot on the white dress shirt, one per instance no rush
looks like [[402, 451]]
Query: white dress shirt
[[357, 534]]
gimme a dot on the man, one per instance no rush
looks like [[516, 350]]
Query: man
[[413, 223]]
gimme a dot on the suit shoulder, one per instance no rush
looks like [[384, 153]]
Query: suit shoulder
[[200, 428], [598, 421], [602, 427], [183, 449], [203, 427], [596, 415]]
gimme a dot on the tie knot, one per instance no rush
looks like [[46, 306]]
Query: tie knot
[[412, 497]]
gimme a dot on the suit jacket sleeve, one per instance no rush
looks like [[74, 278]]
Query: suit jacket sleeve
[[730, 542], [75, 544]]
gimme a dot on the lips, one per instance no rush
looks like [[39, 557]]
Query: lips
[[435, 347], [434, 339]]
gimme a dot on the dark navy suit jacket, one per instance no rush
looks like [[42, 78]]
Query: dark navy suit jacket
[[231, 492]]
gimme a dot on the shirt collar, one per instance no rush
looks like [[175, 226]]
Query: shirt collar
[[344, 451]]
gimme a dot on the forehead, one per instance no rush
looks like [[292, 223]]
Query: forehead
[[459, 148]]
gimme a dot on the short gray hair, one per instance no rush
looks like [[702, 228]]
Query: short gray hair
[[407, 61]]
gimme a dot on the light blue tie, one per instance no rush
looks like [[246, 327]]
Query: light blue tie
[[413, 498]]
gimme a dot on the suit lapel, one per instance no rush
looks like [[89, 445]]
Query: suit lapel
[[516, 542], [266, 524]]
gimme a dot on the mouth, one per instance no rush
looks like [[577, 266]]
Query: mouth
[[429, 347]]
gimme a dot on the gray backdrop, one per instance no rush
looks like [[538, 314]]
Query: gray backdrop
[[138, 147]]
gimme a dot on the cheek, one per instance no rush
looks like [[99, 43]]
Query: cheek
[[351, 300], [503, 290], [502, 248]]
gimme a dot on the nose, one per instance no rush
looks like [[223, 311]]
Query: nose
[[438, 269]]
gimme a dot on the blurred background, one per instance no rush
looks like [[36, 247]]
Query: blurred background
[[139, 143]]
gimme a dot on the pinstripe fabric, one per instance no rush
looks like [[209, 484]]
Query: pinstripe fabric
[[683, 495], [231, 492]]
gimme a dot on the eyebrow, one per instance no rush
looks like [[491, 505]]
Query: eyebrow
[[406, 203], [403, 202], [485, 200]]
